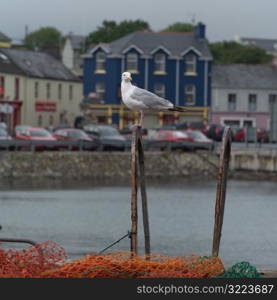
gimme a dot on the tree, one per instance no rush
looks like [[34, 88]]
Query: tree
[[47, 39], [179, 27], [229, 52], [111, 30]]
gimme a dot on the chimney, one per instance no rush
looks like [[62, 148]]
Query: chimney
[[200, 30]]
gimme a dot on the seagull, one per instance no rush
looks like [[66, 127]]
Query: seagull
[[137, 99]]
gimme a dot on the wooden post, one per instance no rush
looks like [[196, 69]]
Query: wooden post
[[145, 216], [134, 199], [225, 152]]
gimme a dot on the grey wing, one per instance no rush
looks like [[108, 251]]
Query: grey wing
[[150, 100]]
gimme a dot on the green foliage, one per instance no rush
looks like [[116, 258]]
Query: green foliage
[[111, 30], [179, 27], [43, 38], [229, 52]]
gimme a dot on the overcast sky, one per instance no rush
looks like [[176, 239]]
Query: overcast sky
[[224, 18]]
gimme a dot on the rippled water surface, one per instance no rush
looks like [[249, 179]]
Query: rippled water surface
[[86, 217]]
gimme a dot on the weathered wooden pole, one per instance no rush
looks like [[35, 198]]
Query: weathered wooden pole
[[145, 216], [225, 152], [134, 198]]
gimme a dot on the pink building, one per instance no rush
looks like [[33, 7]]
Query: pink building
[[242, 95]]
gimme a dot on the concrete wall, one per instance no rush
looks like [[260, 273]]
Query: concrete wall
[[246, 164]]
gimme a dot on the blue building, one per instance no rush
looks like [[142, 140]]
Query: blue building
[[176, 66]]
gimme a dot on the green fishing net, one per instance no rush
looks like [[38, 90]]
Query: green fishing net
[[241, 270]]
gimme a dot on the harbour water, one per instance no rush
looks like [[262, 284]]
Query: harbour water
[[86, 217]]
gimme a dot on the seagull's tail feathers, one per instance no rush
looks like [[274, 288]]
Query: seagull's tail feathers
[[178, 108]]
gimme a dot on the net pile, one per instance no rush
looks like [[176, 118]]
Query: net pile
[[31, 261], [48, 260], [122, 265], [241, 270]]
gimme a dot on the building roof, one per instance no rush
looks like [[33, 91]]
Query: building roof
[[269, 45], [34, 64], [175, 43], [242, 76], [4, 38], [76, 40]]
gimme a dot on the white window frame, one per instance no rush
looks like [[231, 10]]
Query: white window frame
[[132, 62], [190, 93], [60, 91], [241, 120], [100, 89], [48, 90], [229, 102], [159, 89], [36, 90], [71, 92], [190, 61], [159, 63], [100, 60], [252, 105]]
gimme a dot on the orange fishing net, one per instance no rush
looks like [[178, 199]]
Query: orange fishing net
[[31, 261], [47, 260], [122, 265]]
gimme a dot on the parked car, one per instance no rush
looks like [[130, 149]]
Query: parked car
[[200, 139], [215, 132], [19, 128], [4, 135], [108, 137], [36, 135], [71, 134], [169, 139], [239, 135]]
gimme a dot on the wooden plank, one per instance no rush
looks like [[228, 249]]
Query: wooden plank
[[134, 200], [145, 216], [221, 189]]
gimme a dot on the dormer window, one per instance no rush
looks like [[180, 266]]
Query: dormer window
[[190, 61], [100, 62], [159, 63], [132, 62]]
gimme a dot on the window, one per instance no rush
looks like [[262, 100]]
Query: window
[[36, 89], [159, 89], [159, 63], [16, 88], [60, 91], [232, 102], [100, 90], [132, 62], [190, 94], [190, 61], [70, 92], [51, 120], [252, 102], [48, 90], [272, 101], [2, 87], [40, 121], [100, 61]]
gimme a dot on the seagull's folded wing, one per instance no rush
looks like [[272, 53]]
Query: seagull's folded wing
[[150, 100]]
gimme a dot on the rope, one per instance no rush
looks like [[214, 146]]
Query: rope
[[124, 236]]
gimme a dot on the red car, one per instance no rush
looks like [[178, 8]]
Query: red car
[[71, 134], [198, 136], [35, 134], [172, 136]]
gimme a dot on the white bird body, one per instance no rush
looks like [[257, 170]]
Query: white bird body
[[141, 100]]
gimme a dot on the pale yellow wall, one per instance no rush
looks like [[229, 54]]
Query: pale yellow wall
[[27, 96]]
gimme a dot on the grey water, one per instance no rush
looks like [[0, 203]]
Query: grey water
[[85, 217]]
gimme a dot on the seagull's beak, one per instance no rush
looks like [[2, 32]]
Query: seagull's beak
[[130, 78]]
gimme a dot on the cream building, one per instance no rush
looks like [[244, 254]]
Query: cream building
[[38, 87]]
